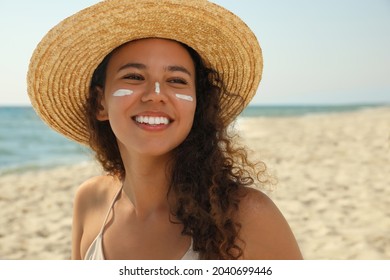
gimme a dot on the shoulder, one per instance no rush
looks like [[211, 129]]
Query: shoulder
[[264, 231], [92, 196], [91, 201], [94, 193]]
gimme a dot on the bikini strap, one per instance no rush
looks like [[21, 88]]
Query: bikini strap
[[109, 209]]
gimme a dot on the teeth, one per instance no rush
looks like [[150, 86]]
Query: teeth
[[152, 120]]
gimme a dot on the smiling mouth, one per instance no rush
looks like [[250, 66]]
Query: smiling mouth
[[151, 120]]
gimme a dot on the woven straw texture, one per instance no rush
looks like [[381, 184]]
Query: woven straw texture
[[63, 63]]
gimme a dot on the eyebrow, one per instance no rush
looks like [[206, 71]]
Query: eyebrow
[[132, 65], [180, 69], [141, 66]]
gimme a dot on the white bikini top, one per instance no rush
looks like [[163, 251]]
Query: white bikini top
[[95, 250]]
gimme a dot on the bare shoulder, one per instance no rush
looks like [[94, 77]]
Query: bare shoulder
[[264, 230], [93, 194], [91, 201]]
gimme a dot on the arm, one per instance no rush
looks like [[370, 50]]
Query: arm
[[83, 201], [77, 224], [265, 231], [91, 202]]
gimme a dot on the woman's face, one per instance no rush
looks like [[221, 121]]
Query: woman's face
[[149, 96]]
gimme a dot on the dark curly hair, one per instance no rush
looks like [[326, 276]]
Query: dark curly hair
[[207, 170]]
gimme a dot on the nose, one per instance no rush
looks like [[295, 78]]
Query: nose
[[154, 92]]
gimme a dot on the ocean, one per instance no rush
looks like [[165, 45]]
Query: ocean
[[26, 143]]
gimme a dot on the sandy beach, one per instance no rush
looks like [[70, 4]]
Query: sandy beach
[[333, 174]]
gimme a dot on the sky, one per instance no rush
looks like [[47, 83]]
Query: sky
[[316, 52]]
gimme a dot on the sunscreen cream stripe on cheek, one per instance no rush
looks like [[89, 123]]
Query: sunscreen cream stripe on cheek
[[123, 92], [184, 97]]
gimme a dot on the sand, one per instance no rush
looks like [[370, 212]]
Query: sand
[[333, 187]]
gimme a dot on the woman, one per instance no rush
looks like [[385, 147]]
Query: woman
[[151, 87]]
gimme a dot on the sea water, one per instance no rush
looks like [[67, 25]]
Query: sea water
[[27, 143]]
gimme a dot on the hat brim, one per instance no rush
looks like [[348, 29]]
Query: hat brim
[[62, 65]]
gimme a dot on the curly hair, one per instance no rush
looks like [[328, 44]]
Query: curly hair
[[207, 170]]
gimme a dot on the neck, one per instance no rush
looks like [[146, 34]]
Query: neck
[[146, 183]]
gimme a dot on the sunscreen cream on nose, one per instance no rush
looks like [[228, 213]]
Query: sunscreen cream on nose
[[157, 88]]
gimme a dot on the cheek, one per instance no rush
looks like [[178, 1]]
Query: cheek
[[189, 111], [119, 98]]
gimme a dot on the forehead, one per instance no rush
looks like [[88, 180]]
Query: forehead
[[151, 52]]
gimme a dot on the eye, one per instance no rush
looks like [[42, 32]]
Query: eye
[[179, 81], [134, 77]]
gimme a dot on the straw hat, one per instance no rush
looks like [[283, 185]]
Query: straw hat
[[62, 65]]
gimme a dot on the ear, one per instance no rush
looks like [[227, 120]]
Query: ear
[[102, 112]]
